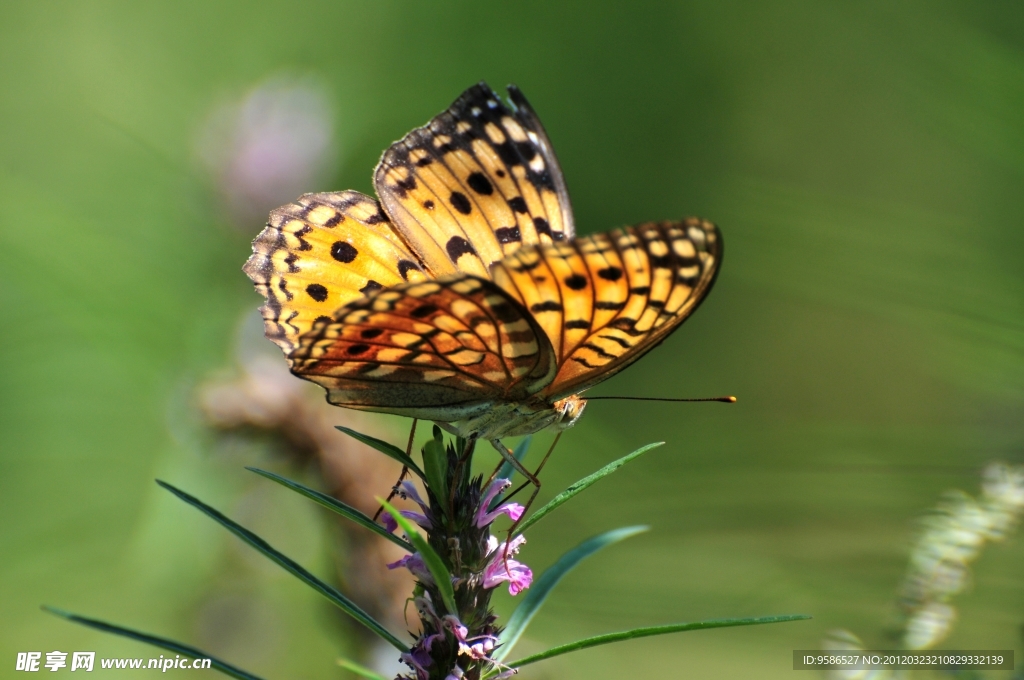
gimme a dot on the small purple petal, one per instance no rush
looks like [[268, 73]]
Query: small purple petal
[[416, 565], [409, 491]]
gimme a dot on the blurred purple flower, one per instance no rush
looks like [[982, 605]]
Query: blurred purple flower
[[271, 145], [416, 565], [390, 524]]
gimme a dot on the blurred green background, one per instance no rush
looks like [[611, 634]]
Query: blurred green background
[[864, 161]]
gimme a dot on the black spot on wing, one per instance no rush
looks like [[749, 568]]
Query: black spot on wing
[[357, 349], [542, 225], [370, 286], [343, 251], [508, 235], [480, 184], [461, 203], [576, 282], [518, 204], [406, 266], [577, 324], [457, 247], [423, 311], [317, 292], [548, 306], [610, 273], [371, 333]]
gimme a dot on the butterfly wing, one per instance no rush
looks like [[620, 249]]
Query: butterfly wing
[[475, 184], [606, 300], [439, 350], [319, 253]]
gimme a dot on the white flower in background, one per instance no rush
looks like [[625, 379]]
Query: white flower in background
[[929, 625], [269, 146], [952, 537]]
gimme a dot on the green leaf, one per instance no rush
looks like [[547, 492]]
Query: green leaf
[[162, 643], [520, 452], [334, 504], [542, 587], [361, 671], [583, 484], [289, 565], [389, 450], [435, 463], [653, 630], [433, 561]]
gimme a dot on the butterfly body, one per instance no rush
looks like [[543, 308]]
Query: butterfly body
[[463, 296]]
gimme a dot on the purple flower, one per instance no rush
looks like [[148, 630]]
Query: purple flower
[[456, 674], [418, 659], [513, 510], [479, 647], [390, 524], [416, 565], [518, 575], [409, 491]]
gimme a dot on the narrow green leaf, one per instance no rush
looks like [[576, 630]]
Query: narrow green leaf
[[433, 561], [389, 450], [162, 643], [361, 671], [653, 630], [289, 565], [334, 504], [435, 465], [583, 484], [542, 587]]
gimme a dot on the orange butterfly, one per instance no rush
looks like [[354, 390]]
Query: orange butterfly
[[463, 296]]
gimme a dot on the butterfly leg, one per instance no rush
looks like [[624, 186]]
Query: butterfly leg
[[405, 470], [531, 479], [507, 454]]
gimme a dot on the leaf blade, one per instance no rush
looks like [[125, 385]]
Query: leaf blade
[[389, 450], [334, 505], [542, 587], [583, 484], [430, 557], [154, 640], [609, 638], [289, 565]]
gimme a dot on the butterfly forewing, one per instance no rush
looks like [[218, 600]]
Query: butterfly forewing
[[475, 184], [319, 253], [431, 349], [607, 299]]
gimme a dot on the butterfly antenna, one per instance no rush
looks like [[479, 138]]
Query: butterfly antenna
[[405, 469], [724, 400]]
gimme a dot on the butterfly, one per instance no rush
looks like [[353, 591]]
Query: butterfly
[[462, 295]]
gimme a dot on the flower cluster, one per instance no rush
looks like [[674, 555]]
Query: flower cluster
[[952, 536], [453, 645]]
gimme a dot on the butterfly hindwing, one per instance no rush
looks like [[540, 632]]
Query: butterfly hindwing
[[475, 184], [319, 253], [432, 349], [605, 300]]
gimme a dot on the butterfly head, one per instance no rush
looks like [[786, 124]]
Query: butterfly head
[[569, 410]]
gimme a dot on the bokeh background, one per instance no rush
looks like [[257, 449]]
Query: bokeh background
[[865, 162]]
